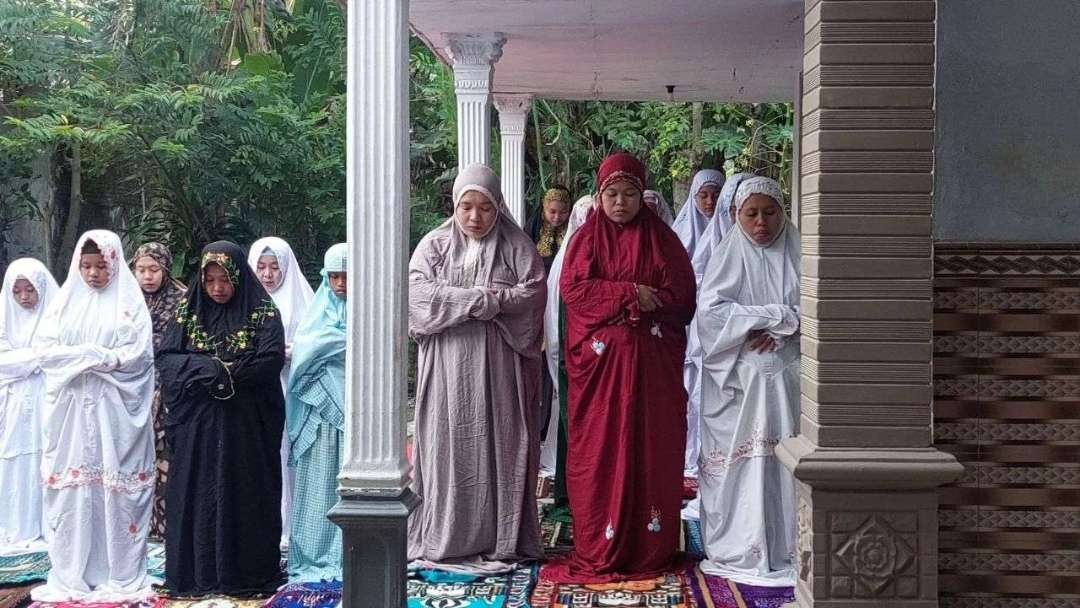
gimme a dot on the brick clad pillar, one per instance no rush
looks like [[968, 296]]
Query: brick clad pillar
[[867, 474]]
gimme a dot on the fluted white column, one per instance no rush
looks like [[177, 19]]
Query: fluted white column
[[474, 56], [377, 186], [513, 111]]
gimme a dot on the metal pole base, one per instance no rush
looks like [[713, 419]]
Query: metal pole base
[[374, 541]]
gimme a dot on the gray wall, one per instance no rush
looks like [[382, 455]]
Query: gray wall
[[1008, 121]]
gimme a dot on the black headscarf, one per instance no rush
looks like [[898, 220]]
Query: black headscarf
[[224, 330]]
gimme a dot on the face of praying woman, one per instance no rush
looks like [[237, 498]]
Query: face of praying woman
[[94, 270], [556, 213], [476, 214], [650, 201], [621, 201], [217, 285], [706, 199], [339, 283], [149, 273], [269, 273], [25, 294], [761, 218]]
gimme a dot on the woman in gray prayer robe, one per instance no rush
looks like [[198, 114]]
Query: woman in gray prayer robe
[[476, 304]]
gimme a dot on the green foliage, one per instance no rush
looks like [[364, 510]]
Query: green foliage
[[213, 128], [198, 120]]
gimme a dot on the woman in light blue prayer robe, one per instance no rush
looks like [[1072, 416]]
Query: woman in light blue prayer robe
[[315, 418]]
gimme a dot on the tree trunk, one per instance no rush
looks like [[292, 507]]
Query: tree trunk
[[680, 188], [697, 146], [71, 222]]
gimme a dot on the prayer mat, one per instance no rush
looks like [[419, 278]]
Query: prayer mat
[[692, 543], [212, 602], [15, 597], [718, 592], [670, 590], [155, 560], [153, 602], [325, 594], [556, 536], [438, 589], [24, 568]]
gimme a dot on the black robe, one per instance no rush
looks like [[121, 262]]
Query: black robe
[[220, 367]]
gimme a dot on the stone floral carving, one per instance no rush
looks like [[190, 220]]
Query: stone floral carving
[[876, 558]]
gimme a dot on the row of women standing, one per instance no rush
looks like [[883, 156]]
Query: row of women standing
[[622, 288], [98, 452]]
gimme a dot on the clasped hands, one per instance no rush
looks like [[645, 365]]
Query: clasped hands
[[648, 301]]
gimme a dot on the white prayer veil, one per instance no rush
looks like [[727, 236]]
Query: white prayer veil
[[744, 273], [691, 222], [105, 334], [663, 209], [719, 225], [17, 325], [294, 294]]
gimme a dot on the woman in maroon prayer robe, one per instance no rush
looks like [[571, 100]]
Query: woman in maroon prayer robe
[[629, 292]]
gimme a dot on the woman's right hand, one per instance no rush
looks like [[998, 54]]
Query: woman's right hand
[[648, 298], [760, 341]]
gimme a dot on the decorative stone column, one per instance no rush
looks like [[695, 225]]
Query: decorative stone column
[[866, 473], [474, 58], [513, 112], [375, 499]]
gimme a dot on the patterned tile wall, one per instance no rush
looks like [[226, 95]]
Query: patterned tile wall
[[1007, 404]]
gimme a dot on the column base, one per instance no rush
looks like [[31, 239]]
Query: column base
[[374, 542], [866, 524]]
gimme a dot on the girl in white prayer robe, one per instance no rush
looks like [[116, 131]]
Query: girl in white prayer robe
[[27, 290], [716, 229], [280, 274], [748, 322], [696, 214], [96, 352]]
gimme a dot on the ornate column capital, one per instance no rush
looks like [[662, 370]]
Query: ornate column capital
[[513, 111], [475, 49], [512, 103], [474, 57]]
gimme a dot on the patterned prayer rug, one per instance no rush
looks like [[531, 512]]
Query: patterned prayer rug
[[149, 603], [212, 602], [155, 560], [556, 536], [670, 591], [437, 589], [15, 597], [24, 568], [307, 595], [718, 592]]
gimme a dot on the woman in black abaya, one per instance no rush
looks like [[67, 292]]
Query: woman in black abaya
[[219, 363]]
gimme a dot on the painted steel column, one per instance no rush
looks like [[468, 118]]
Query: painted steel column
[[866, 471], [375, 499], [513, 112], [474, 57]]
